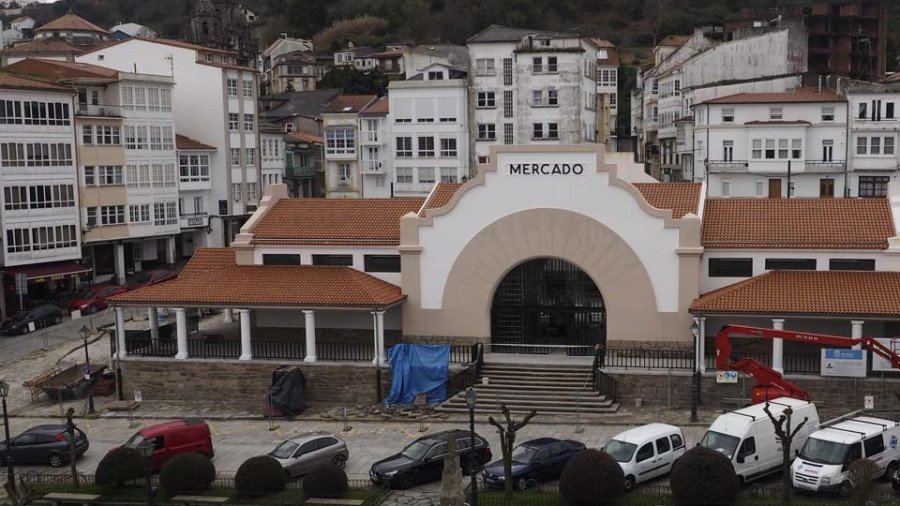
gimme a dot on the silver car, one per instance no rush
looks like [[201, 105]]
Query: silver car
[[301, 454]]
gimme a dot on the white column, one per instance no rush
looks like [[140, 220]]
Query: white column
[[181, 333], [379, 320], [375, 336], [246, 348], [778, 347], [120, 333], [229, 315], [120, 263], [170, 250], [702, 344], [310, 326], [856, 331], [154, 323]]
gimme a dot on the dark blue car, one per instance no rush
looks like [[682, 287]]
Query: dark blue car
[[533, 461]]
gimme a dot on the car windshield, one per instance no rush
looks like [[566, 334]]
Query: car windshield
[[620, 450], [824, 452], [89, 294], [284, 450], [416, 450], [523, 454], [141, 277], [134, 441], [722, 443]]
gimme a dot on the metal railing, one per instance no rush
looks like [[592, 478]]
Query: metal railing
[[793, 363], [98, 111], [468, 377], [637, 358]]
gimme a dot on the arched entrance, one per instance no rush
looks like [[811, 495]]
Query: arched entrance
[[547, 301]]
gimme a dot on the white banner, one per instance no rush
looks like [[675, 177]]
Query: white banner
[[843, 363]]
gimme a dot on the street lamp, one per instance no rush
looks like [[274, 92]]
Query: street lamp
[[695, 387], [471, 400], [85, 334], [10, 475], [146, 448]]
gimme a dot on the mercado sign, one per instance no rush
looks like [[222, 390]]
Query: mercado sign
[[546, 169]]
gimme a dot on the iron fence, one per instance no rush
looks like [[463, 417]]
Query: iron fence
[[793, 363], [468, 377], [637, 358]]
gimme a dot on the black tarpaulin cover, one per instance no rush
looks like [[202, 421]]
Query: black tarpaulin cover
[[288, 391]]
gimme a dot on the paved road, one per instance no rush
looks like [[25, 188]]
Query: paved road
[[16, 347]]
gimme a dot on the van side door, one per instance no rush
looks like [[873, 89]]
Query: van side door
[[644, 462], [874, 448], [746, 459], [664, 456], [678, 447]]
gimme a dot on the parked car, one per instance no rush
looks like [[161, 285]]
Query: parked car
[[94, 299], [533, 461], [147, 278], [44, 444], [422, 461], [646, 452], [169, 439], [299, 455], [41, 316]]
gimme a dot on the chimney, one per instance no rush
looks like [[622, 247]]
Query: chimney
[[820, 85], [284, 35]]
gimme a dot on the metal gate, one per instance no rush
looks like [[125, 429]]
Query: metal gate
[[547, 301]]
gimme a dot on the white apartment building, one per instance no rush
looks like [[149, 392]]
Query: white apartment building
[[607, 92], [40, 194], [271, 140], [430, 135], [195, 192], [340, 122], [874, 159], [375, 160], [530, 87], [218, 101], [772, 144]]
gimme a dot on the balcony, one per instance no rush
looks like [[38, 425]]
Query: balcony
[[344, 185], [369, 137], [826, 167], [297, 171], [372, 167], [98, 111], [727, 166]]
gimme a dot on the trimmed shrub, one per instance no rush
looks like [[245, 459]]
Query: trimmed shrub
[[591, 478], [260, 476], [188, 474], [704, 476], [325, 481], [120, 466]]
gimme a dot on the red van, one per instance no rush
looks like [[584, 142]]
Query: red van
[[191, 435]]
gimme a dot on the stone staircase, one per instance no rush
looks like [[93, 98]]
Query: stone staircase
[[548, 389]]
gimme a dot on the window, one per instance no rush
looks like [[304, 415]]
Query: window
[[748, 447], [507, 104], [487, 132], [828, 114], [537, 65], [232, 87], [89, 176], [15, 198], [677, 441], [435, 76], [888, 146], [448, 148], [538, 131], [796, 149], [108, 135], [112, 215], [236, 192], [193, 168], [345, 179], [507, 72], [49, 196], [863, 110], [404, 175], [340, 141], [250, 155], [782, 149], [35, 154], [253, 192], [727, 115], [141, 137], [662, 445], [776, 113], [726, 188], [426, 175], [447, 110], [552, 131], [551, 64], [827, 150], [448, 174], [17, 240], [10, 112], [334, 260], [140, 99], [87, 135], [484, 67], [889, 110], [508, 134], [730, 267], [153, 99], [165, 99], [108, 176], [139, 213], [874, 445], [791, 264], [553, 97], [851, 264], [537, 98], [426, 147], [233, 121], [728, 151], [248, 88], [404, 147], [46, 238], [485, 99], [875, 145], [235, 157], [280, 259], [249, 122], [155, 138], [757, 149], [862, 145], [646, 452], [770, 149]]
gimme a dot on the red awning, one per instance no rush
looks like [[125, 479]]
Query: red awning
[[49, 272]]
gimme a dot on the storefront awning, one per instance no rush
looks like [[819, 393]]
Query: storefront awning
[[48, 272]]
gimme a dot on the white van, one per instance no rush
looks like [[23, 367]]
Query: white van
[[826, 456], [747, 436], [646, 452]]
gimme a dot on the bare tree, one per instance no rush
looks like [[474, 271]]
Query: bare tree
[[508, 442], [70, 427], [862, 474], [786, 435]]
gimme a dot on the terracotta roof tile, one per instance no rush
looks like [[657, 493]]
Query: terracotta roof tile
[[187, 45], [12, 81], [60, 70], [70, 21], [381, 106], [799, 95], [842, 224], [184, 142], [305, 137], [675, 40], [441, 195], [349, 103], [681, 198], [47, 46], [226, 66], [212, 278], [808, 293], [374, 222]]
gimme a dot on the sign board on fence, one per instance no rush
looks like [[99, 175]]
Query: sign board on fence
[[726, 377], [138, 397], [881, 364], [31, 327], [869, 402], [843, 363], [22, 283]]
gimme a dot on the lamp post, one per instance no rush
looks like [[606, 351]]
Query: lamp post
[[85, 334], [471, 400], [695, 386], [146, 448], [10, 474]]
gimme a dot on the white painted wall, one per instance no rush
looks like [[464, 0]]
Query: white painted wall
[[306, 253]]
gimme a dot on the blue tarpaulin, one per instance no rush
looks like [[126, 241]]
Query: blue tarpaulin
[[418, 369]]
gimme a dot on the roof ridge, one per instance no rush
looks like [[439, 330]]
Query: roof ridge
[[725, 290]]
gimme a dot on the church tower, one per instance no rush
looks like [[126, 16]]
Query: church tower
[[221, 24]]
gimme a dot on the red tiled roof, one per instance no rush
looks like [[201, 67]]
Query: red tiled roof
[[53, 46], [184, 142], [12, 81], [681, 198], [380, 106], [70, 21], [799, 95], [212, 278], [226, 66], [388, 54], [305, 137], [60, 70], [675, 40], [842, 224], [808, 293], [187, 45], [350, 222], [349, 103], [441, 195]]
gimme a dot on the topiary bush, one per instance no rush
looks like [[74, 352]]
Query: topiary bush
[[260, 476], [120, 466], [325, 481], [188, 474], [591, 478], [704, 476]]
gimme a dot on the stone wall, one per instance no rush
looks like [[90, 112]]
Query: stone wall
[[328, 384]]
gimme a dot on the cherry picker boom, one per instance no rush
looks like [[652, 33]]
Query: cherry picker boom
[[770, 383]]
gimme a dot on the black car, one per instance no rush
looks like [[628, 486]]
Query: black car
[[41, 316], [422, 461], [533, 461], [44, 444]]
